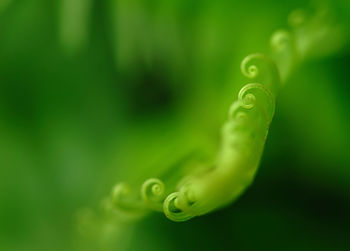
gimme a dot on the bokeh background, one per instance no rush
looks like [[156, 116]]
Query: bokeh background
[[96, 92]]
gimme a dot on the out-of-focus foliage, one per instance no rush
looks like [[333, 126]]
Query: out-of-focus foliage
[[95, 92]]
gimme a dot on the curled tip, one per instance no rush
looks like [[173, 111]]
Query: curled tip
[[297, 18], [248, 99], [249, 69], [261, 66], [235, 113], [232, 112], [280, 40], [172, 210], [241, 117], [122, 199], [250, 94], [120, 191], [152, 192]]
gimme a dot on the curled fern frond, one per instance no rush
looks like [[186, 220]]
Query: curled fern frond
[[187, 193], [153, 194], [282, 40], [261, 68], [242, 142], [123, 199], [254, 94], [297, 18], [284, 51], [172, 209]]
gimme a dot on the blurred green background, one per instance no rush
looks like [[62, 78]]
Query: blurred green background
[[96, 92]]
